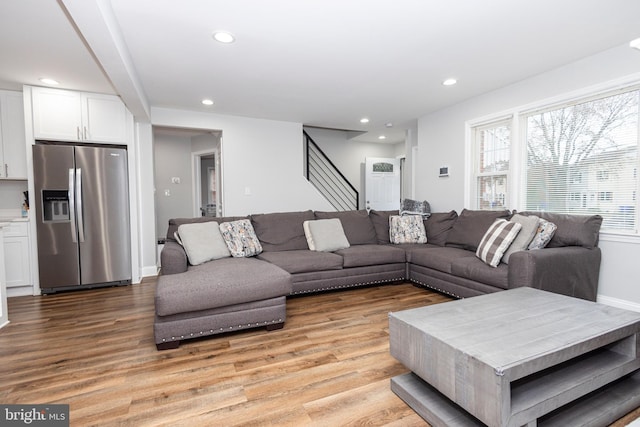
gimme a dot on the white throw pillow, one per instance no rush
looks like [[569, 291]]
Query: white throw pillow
[[524, 237], [325, 235], [202, 242], [496, 240], [407, 229]]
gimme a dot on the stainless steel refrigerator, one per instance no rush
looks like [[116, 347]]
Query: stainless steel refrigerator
[[82, 216]]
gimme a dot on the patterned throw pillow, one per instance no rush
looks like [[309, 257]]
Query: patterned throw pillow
[[543, 236], [407, 229], [497, 240], [240, 238]]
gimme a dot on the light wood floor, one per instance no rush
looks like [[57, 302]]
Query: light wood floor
[[94, 350]]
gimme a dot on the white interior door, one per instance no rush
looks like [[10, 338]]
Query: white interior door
[[382, 183]]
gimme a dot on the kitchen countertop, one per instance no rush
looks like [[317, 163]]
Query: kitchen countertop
[[13, 219], [12, 215]]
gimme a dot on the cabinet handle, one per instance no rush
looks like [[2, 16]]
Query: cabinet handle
[[85, 132], [6, 170], [78, 132]]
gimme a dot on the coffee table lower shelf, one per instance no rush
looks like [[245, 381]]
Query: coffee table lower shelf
[[599, 408]]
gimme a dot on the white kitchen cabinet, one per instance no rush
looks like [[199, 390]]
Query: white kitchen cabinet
[[63, 115], [17, 259], [4, 315], [13, 157]]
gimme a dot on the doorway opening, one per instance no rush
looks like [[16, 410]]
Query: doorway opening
[[179, 155], [206, 183]]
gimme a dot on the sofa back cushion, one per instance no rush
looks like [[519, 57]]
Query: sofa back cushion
[[438, 226], [281, 231], [470, 226], [573, 230], [357, 226], [174, 223], [380, 221]]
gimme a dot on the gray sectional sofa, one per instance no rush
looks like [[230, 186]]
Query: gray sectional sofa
[[230, 294]]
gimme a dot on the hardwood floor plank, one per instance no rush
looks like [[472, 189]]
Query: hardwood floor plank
[[330, 365]]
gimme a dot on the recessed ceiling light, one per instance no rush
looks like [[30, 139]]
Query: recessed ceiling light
[[449, 82], [382, 137], [49, 81], [364, 120], [224, 37], [207, 102], [635, 43]]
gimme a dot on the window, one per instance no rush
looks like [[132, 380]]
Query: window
[[596, 140], [492, 147], [579, 157]]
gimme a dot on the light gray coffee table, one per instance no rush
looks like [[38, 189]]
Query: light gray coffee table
[[518, 357]]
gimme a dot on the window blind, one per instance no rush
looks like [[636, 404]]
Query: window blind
[[582, 158]]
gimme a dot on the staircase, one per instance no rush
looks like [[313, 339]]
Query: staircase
[[325, 176]]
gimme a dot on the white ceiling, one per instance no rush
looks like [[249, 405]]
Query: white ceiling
[[322, 63]]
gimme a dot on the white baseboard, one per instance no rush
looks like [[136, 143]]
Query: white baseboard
[[620, 303], [150, 270]]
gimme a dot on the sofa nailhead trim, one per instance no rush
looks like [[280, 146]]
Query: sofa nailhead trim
[[373, 282], [435, 288], [212, 332]]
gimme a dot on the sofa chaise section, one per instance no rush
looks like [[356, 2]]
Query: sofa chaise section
[[226, 295]]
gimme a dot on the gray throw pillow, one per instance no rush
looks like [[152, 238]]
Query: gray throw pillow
[[525, 236], [325, 235], [202, 242]]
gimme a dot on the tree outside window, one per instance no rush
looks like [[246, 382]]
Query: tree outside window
[[596, 140]]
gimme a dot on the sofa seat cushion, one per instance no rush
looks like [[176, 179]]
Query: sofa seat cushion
[[364, 255], [438, 258], [303, 261], [475, 269], [220, 283]]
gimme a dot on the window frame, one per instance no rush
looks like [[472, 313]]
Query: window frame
[[516, 190]]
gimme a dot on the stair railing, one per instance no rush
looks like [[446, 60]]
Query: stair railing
[[327, 178]]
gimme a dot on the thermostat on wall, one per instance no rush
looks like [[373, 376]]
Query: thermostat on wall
[[444, 171]]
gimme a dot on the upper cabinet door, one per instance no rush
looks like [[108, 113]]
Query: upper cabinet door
[[57, 114], [63, 115], [104, 118], [13, 139]]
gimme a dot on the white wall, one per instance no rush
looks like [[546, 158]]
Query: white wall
[[262, 169], [172, 157], [441, 142], [146, 201], [349, 155]]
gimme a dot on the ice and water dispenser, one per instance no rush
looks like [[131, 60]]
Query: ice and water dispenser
[[55, 205]]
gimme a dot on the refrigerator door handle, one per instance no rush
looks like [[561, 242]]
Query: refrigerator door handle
[[72, 204], [80, 212]]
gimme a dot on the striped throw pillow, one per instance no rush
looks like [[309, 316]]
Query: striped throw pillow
[[497, 240]]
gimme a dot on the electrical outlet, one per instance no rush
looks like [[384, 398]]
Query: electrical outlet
[[167, 193]]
